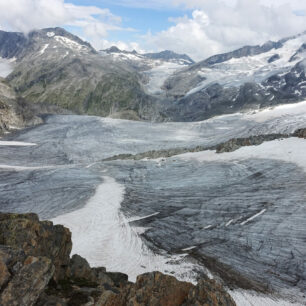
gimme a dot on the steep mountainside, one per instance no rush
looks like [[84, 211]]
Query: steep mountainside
[[15, 112], [57, 68], [248, 78]]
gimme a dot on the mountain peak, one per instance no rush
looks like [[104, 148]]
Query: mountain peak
[[170, 55]]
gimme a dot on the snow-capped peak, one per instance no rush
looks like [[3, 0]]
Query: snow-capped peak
[[50, 34]]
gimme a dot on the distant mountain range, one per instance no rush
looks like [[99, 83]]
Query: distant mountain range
[[167, 55], [56, 71]]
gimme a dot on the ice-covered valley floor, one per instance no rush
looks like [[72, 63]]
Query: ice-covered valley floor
[[241, 213]]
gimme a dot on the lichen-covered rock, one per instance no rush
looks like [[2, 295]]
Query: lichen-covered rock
[[208, 293], [28, 283], [4, 273], [79, 268], [36, 238], [157, 289], [150, 289]]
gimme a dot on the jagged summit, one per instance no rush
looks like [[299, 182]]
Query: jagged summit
[[170, 55], [166, 55], [18, 45]]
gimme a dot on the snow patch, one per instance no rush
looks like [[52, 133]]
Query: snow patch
[[277, 112], [16, 143], [68, 43], [189, 249], [42, 51], [291, 150], [50, 34], [145, 217], [229, 223], [102, 234], [253, 217]]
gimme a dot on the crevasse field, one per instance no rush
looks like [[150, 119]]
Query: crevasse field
[[243, 210]]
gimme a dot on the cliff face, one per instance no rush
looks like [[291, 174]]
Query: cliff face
[[35, 269]]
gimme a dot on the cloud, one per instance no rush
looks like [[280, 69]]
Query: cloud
[[128, 46], [211, 26], [25, 15], [218, 26]]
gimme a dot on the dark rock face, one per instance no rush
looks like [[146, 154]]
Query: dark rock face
[[35, 269], [301, 133], [11, 44], [298, 52], [37, 239], [29, 282], [273, 58]]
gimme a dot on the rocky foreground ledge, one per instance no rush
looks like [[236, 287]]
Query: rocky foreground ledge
[[36, 269]]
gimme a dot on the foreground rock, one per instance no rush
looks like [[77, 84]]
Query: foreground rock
[[35, 269]]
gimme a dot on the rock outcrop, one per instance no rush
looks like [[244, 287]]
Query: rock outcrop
[[37, 238], [300, 133], [35, 269], [236, 143], [15, 112]]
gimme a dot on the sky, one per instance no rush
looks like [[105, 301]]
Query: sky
[[199, 28]]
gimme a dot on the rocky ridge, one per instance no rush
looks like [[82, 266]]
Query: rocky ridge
[[228, 146], [35, 269]]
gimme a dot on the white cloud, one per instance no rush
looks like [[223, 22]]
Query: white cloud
[[128, 46], [222, 25], [26, 15], [215, 26]]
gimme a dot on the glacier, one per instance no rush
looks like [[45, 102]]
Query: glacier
[[184, 215]]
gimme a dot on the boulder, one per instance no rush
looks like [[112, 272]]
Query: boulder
[[35, 238], [79, 268], [28, 283], [157, 289], [209, 292]]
